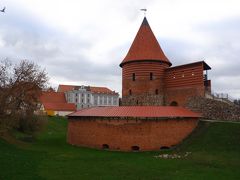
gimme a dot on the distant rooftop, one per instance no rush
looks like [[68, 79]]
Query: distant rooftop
[[103, 90], [56, 101]]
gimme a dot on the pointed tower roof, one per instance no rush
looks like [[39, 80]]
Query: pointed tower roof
[[145, 47]]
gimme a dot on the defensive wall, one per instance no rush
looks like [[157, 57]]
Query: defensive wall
[[129, 134]]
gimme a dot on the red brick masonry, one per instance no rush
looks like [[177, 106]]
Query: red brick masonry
[[120, 134], [125, 127]]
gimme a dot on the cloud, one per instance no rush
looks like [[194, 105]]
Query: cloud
[[65, 57], [220, 48], [84, 43]]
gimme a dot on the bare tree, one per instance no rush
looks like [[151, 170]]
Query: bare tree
[[20, 87]]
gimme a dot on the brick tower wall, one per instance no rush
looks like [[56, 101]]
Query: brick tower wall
[[143, 90], [124, 133], [182, 83]]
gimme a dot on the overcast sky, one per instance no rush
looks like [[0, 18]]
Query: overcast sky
[[83, 42]]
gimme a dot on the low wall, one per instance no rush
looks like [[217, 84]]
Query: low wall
[[213, 109], [124, 135]]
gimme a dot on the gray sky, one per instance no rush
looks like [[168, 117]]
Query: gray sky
[[83, 42]]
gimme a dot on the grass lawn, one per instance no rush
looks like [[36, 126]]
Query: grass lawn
[[214, 147]]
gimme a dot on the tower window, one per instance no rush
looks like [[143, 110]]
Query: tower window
[[133, 77], [151, 76], [183, 74], [130, 92], [156, 91]]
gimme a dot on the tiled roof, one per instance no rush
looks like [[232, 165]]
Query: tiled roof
[[103, 90], [145, 46], [56, 101], [59, 106], [64, 88], [52, 97], [205, 65], [135, 111]]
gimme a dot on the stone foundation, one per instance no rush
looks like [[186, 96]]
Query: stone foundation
[[143, 100], [213, 109]]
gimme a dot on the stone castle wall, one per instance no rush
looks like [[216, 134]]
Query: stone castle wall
[[143, 100], [213, 109], [179, 95]]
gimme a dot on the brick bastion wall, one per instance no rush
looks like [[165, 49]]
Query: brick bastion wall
[[128, 134]]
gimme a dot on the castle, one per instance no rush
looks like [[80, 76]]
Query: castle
[[151, 116], [149, 79]]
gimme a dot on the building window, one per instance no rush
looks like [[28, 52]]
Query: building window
[[164, 147], [95, 101], [151, 76], [76, 100], [76, 94], [133, 77], [82, 100], [173, 103], [156, 91], [105, 100], [105, 146], [88, 95], [115, 101], [135, 148], [82, 95], [182, 73], [130, 92]]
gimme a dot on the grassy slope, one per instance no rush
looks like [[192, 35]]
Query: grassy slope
[[215, 154]]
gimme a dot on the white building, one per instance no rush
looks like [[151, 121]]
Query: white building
[[88, 96]]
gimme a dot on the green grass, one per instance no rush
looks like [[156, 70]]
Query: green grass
[[215, 154]]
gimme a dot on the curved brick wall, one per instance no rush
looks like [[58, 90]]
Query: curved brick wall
[[123, 134], [142, 71]]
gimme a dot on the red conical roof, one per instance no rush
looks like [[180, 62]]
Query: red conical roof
[[145, 47]]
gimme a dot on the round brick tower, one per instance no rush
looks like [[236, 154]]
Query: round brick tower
[[143, 70]]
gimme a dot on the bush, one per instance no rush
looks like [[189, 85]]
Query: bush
[[32, 124]]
